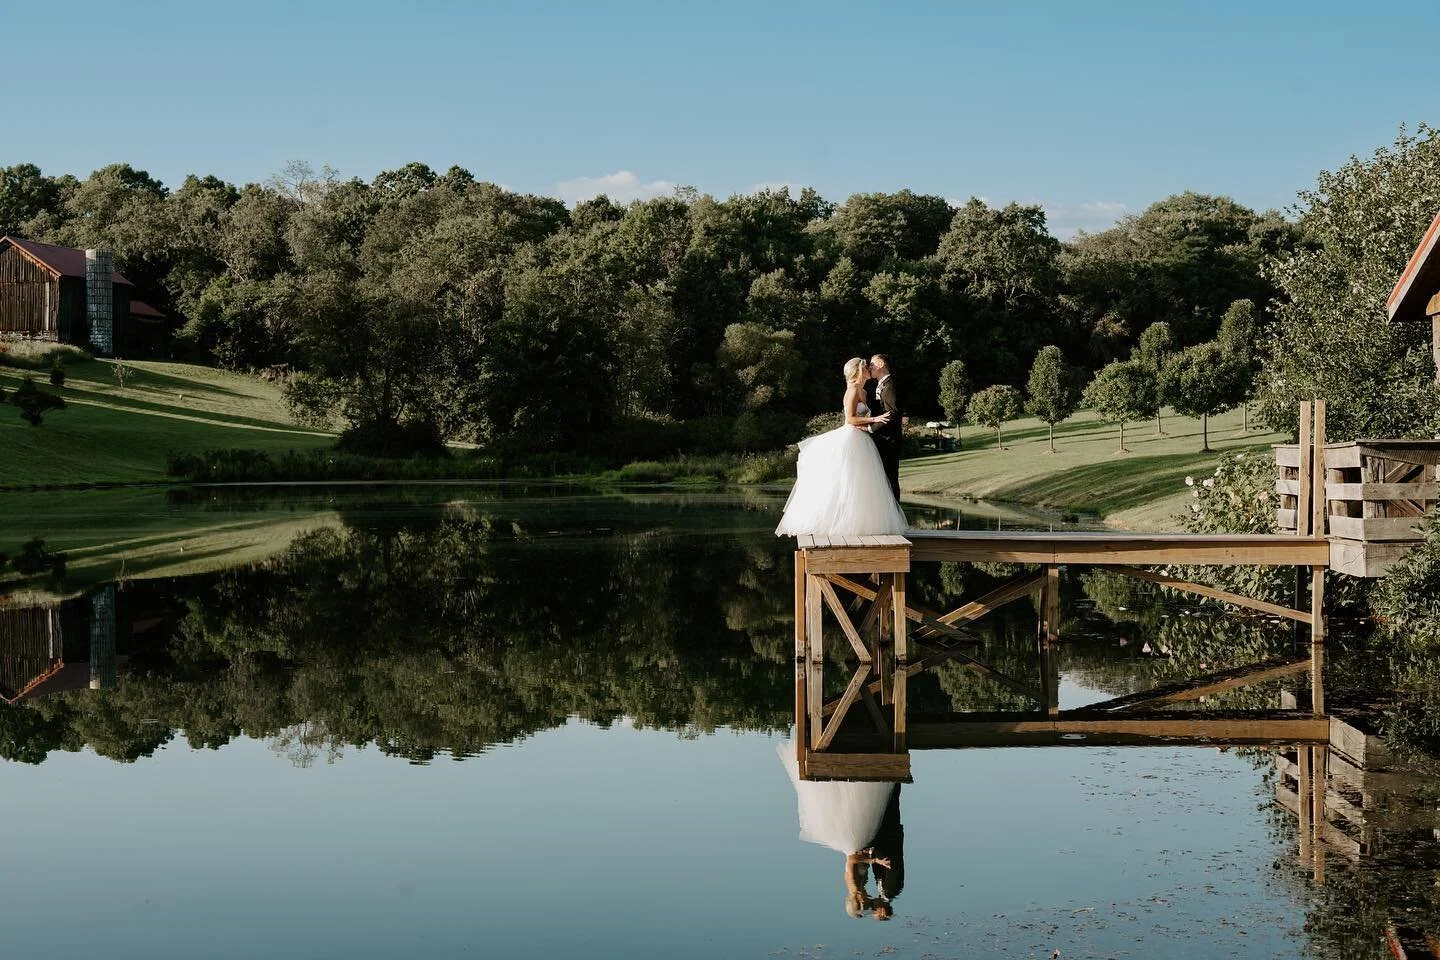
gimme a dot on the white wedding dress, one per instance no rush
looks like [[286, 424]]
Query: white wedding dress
[[840, 487], [843, 815]]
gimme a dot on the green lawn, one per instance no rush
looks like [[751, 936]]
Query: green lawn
[[1140, 490], [135, 532], [111, 435]]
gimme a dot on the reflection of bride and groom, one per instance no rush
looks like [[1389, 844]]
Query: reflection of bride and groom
[[847, 483], [862, 821]]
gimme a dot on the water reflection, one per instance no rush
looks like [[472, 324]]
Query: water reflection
[[444, 629]]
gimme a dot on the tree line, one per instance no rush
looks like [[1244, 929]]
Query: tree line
[[421, 306]]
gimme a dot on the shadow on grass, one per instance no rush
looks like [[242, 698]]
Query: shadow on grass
[[1119, 484]]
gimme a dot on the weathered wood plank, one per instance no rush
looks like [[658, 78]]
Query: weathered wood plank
[[888, 767], [1108, 549], [1376, 528], [1259, 727], [1378, 491], [1214, 593], [999, 597], [1317, 474], [858, 559], [837, 608], [842, 707], [1204, 686]]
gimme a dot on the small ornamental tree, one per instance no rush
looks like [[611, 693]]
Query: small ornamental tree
[[1157, 344], [1237, 335], [1123, 390], [993, 406], [954, 392], [1053, 395], [1203, 380]]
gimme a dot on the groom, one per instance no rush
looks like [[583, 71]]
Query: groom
[[887, 436]]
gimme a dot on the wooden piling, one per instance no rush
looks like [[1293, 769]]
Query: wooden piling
[[1303, 515]]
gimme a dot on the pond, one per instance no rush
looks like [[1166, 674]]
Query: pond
[[528, 720]]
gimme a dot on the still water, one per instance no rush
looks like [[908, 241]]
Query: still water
[[509, 722]]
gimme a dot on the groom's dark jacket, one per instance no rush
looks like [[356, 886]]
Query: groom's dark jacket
[[885, 398]]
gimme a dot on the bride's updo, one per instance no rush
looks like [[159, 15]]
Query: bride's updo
[[853, 366]]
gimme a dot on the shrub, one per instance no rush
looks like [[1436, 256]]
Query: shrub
[[757, 430], [57, 373], [382, 438], [34, 559], [34, 402], [822, 423]]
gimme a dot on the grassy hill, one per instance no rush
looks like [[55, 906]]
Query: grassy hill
[[109, 434], [1139, 490]]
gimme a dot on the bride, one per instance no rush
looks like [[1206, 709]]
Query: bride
[[840, 485]]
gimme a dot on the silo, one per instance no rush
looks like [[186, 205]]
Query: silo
[[100, 300]]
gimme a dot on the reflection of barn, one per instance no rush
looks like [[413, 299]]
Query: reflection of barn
[[48, 292], [54, 647]]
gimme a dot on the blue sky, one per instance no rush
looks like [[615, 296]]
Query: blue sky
[[1089, 108]]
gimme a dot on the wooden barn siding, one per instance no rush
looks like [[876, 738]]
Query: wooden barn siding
[[74, 328], [29, 297], [30, 644]]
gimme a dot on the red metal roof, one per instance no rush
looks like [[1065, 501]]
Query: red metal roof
[[1408, 295], [139, 308], [63, 261]]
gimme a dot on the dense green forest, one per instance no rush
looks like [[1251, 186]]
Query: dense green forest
[[421, 305], [460, 309]]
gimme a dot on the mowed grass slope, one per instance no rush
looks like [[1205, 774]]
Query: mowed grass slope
[[1142, 489], [107, 434]]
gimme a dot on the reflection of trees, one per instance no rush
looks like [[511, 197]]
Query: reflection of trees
[[447, 634]]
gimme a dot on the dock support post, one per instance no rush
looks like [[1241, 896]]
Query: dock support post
[[1050, 603], [1317, 640], [802, 679], [1318, 757], [902, 662], [1303, 783]]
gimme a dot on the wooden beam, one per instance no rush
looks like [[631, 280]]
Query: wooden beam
[[842, 707], [1001, 595], [1197, 687], [1083, 548], [858, 558], [1214, 593], [1317, 474], [862, 652], [1260, 727], [1302, 509], [1050, 605], [886, 767], [802, 681]]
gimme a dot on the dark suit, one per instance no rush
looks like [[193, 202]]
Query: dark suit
[[883, 397], [889, 843]]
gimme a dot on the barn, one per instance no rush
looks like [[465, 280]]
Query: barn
[[57, 293]]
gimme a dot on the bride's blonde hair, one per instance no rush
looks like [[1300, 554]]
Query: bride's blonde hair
[[853, 366]]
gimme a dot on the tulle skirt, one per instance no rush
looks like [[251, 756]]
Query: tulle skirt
[[840, 488], [843, 815]]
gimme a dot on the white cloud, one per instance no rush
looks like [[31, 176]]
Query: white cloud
[[1065, 219], [622, 186]]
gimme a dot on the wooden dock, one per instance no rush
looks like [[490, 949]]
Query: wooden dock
[[859, 583]]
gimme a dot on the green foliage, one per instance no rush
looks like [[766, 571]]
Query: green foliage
[[1123, 390], [1204, 380], [1053, 393], [34, 402], [954, 390], [1155, 346], [993, 406], [1238, 497], [1330, 336], [764, 361], [57, 373]]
